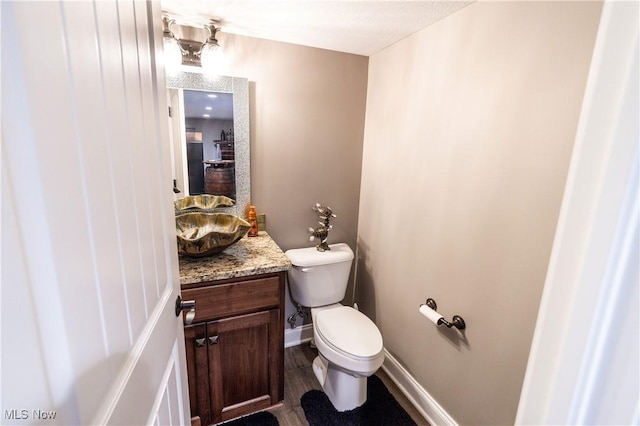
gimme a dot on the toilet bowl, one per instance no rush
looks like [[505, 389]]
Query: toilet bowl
[[346, 337], [350, 346], [349, 350]]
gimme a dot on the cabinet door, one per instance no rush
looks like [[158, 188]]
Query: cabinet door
[[244, 373], [195, 337]]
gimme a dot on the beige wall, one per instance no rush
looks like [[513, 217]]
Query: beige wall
[[307, 111], [469, 130]]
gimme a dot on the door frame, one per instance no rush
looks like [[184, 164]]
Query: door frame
[[593, 271]]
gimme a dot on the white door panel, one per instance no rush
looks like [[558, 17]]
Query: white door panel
[[583, 365], [89, 267], [145, 372]]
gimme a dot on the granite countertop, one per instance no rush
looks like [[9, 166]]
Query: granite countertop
[[249, 256]]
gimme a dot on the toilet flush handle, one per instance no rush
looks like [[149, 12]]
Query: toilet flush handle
[[305, 269]]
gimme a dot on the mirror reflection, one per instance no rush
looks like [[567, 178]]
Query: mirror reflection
[[210, 143], [210, 155]]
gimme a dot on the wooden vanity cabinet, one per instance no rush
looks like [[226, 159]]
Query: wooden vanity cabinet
[[235, 347]]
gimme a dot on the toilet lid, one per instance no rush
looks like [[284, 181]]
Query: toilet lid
[[349, 330], [310, 256]]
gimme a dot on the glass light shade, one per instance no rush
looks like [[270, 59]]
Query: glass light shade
[[211, 58], [172, 53]]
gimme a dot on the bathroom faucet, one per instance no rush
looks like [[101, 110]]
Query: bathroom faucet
[[176, 190]]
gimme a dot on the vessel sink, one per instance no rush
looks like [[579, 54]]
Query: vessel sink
[[204, 202], [203, 234]]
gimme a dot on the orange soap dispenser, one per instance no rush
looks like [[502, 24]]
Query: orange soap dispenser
[[253, 220]]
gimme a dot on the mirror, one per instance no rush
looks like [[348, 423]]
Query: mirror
[[210, 142], [219, 165]]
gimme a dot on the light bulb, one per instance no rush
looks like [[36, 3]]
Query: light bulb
[[211, 58], [172, 53]]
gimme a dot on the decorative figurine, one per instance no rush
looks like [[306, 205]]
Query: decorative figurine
[[322, 231]]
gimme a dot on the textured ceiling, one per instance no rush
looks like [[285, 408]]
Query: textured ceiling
[[351, 26]]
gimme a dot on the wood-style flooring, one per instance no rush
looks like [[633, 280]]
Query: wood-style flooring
[[299, 378]]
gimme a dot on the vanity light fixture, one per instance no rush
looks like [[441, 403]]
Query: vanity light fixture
[[177, 52]]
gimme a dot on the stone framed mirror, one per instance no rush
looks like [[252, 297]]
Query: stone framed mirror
[[237, 137]]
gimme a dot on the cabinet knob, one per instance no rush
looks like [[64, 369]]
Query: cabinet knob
[[200, 342], [213, 340]]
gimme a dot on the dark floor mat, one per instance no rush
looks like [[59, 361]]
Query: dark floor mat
[[381, 409]]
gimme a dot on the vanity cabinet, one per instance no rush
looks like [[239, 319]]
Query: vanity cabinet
[[235, 346]]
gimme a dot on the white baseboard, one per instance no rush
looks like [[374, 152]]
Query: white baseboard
[[415, 393], [297, 336]]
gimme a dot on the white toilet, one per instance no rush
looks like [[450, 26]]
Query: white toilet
[[349, 344]]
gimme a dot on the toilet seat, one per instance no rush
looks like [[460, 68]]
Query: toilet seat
[[354, 341]]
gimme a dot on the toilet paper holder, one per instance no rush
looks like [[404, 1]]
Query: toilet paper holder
[[456, 321]]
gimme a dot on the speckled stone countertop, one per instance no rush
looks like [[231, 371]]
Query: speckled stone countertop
[[249, 256]]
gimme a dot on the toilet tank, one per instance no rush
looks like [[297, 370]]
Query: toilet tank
[[319, 278]]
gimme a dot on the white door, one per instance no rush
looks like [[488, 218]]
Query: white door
[[584, 364], [89, 264]]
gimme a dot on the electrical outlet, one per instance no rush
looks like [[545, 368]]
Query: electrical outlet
[[262, 221]]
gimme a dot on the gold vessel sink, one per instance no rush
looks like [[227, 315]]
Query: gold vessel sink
[[204, 202], [204, 234]]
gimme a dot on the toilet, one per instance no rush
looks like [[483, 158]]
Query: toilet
[[349, 343]]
